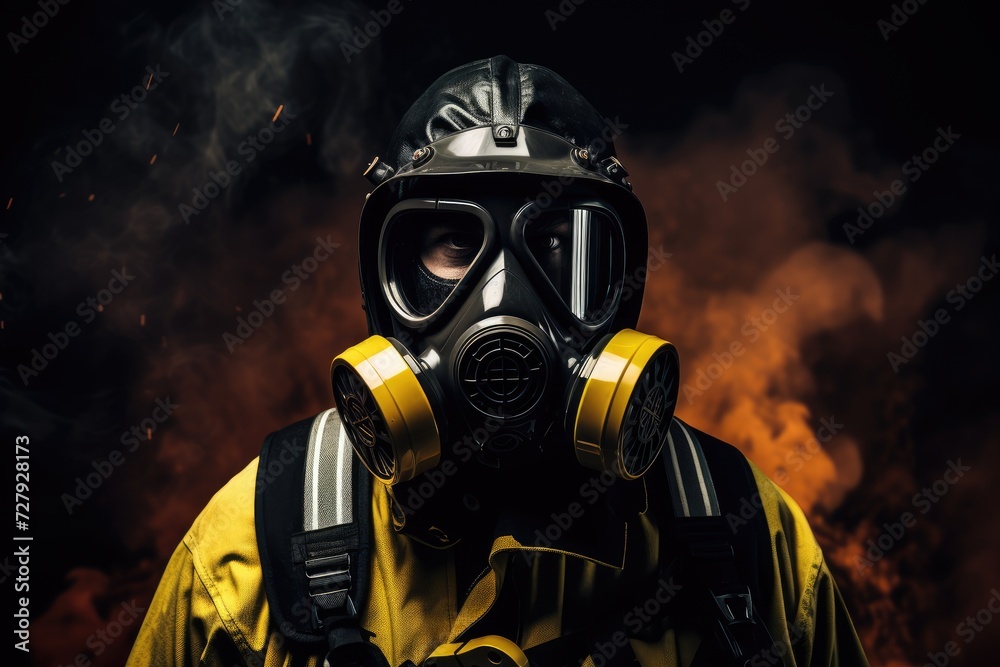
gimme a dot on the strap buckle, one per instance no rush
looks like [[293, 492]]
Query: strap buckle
[[329, 575], [735, 621]]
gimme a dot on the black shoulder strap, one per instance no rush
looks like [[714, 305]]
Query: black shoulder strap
[[723, 565], [312, 516], [728, 562]]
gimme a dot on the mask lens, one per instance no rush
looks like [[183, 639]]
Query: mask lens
[[579, 251], [429, 251]]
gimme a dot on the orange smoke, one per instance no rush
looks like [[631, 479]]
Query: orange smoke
[[762, 273], [760, 288]]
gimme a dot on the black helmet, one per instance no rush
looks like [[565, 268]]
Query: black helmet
[[495, 125]]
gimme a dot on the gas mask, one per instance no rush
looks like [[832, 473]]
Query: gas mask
[[502, 267]]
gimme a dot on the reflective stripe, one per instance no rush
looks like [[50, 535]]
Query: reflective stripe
[[701, 470], [689, 470], [678, 485], [312, 517], [343, 509], [328, 499]]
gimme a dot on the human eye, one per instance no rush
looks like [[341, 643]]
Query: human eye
[[460, 243], [448, 250], [548, 242]]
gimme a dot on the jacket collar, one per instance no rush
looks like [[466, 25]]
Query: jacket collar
[[584, 516]]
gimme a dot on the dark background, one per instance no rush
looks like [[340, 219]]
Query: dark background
[[228, 74]]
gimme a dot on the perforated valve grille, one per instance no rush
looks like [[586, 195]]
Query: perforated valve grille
[[502, 372], [649, 412], [364, 422]]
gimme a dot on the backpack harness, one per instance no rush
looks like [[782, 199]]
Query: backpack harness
[[313, 525]]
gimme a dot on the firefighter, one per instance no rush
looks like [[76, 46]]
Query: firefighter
[[517, 488]]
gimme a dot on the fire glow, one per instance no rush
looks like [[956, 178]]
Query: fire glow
[[775, 400]]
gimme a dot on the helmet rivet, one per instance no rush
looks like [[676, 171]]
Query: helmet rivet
[[422, 155]]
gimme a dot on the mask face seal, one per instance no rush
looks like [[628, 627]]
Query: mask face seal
[[430, 291]]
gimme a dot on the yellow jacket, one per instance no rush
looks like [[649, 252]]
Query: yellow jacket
[[210, 607]]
